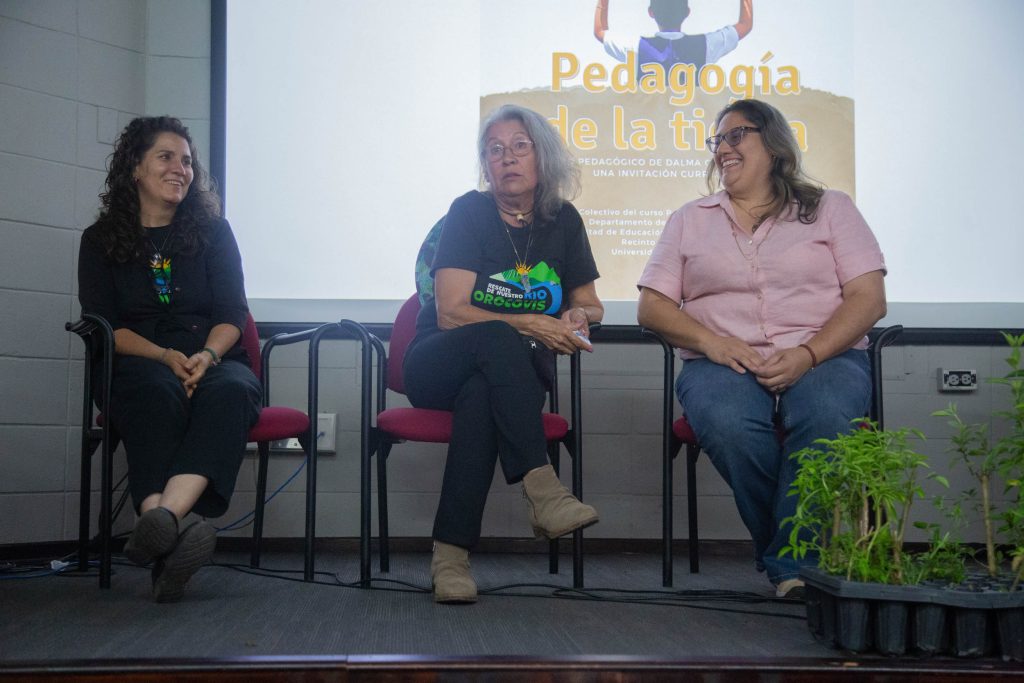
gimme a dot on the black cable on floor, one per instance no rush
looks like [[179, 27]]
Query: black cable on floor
[[664, 598], [692, 599]]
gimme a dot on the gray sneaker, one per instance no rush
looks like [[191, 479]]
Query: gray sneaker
[[195, 548], [154, 536]]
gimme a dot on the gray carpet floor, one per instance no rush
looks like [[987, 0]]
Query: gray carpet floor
[[523, 610]]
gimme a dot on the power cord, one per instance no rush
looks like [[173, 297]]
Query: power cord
[[673, 598], [38, 569], [708, 599], [241, 522], [692, 599]]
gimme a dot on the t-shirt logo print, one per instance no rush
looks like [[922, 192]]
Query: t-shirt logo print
[[538, 290], [160, 269]]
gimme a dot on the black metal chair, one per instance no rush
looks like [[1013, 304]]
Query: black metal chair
[[383, 427], [275, 423], [677, 432]]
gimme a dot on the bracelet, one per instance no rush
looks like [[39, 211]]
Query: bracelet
[[814, 356], [164, 354], [213, 354]]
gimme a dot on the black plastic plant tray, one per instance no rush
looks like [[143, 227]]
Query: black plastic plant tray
[[974, 619]]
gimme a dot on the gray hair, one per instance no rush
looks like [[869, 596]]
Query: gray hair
[[558, 175]]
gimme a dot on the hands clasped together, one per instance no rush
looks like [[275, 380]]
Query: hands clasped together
[[565, 334], [189, 369], [776, 373]]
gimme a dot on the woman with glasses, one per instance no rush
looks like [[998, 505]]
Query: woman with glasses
[[768, 288], [513, 281], [163, 269]]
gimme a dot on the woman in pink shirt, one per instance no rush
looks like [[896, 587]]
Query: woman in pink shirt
[[768, 288]]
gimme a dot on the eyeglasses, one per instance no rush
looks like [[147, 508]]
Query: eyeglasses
[[732, 136], [519, 148]]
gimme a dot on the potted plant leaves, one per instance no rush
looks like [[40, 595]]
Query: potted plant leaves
[[856, 493], [855, 498]]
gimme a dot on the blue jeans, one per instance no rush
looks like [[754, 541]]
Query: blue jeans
[[735, 420]]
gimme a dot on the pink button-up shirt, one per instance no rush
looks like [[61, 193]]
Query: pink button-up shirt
[[774, 290]]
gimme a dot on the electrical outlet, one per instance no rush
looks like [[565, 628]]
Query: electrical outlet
[[326, 424], [325, 432], [958, 380]]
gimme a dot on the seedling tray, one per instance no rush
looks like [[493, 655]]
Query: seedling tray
[[977, 618]]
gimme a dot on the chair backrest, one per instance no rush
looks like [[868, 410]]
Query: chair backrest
[[878, 342], [401, 335], [251, 344]]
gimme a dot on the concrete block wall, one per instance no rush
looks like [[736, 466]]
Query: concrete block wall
[[622, 457], [72, 74]]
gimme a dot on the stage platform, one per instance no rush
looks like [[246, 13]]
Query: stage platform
[[235, 624]]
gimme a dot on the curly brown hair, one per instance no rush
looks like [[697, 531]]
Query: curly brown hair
[[120, 232]]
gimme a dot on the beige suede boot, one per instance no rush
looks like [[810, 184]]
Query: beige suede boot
[[554, 511], [449, 572]]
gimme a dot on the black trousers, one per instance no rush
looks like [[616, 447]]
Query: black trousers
[[165, 433], [485, 376]]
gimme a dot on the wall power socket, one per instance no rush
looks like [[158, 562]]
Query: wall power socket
[[958, 380]]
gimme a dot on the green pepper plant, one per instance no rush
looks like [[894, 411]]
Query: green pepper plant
[[986, 460], [855, 496]]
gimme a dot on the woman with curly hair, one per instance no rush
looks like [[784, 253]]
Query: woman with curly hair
[[164, 269], [768, 288], [511, 262]]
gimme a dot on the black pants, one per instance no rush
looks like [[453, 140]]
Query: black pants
[[165, 433], [483, 373]]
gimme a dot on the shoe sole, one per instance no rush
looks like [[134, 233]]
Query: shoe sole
[[195, 549], [454, 599], [552, 535], [795, 593], [154, 536]]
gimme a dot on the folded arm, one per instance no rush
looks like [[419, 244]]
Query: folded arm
[[453, 288]]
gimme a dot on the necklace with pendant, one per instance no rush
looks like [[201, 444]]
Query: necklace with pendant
[[160, 269], [522, 265], [158, 251], [750, 240], [520, 216]]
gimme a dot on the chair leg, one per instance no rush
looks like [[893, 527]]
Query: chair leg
[[669, 452], [554, 455], [577, 490], [693, 541], [106, 507], [365, 495], [85, 499], [263, 456], [308, 572], [382, 507]]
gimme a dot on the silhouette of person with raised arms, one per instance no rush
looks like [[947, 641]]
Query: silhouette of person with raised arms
[[670, 46]]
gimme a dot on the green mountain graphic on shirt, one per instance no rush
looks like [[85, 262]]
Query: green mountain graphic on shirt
[[505, 291]]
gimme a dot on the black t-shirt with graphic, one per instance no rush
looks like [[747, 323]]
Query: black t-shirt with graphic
[[519, 270]]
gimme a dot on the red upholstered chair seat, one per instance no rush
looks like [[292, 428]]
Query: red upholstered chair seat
[[683, 431], [435, 426], [278, 422]]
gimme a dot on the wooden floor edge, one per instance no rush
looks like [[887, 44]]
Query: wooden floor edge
[[576, 668]]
